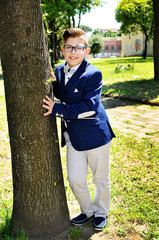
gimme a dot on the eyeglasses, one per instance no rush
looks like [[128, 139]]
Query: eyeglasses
[[78, 49]]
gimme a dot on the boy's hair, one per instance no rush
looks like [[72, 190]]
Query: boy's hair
[[75, 32]]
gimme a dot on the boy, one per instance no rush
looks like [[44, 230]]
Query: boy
[[85, 127]]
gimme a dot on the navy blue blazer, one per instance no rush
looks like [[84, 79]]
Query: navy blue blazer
[[81, 108]]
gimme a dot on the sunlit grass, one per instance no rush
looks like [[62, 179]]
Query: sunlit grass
[[134, 183], [138, 83]]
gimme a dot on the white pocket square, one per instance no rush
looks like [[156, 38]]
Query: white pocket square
[[76, 90]]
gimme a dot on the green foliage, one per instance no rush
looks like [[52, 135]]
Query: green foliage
[[6, 225], [74, 233], [110, 33], [86, 28], [59, 15], [97, 32], [95, 43], [50, 80], [136, 15]]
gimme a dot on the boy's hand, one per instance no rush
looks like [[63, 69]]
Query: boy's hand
[[49, 106], [52, 74]]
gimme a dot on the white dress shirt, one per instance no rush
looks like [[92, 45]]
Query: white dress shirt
[[68, 74]]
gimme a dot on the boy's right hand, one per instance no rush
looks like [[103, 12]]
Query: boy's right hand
[[49, 104]]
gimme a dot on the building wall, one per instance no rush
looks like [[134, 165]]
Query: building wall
[[112, 45], [133, 45]]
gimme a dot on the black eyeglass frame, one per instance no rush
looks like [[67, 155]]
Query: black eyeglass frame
[[74, 47]]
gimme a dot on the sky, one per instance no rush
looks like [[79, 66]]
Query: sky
[[102, 17]]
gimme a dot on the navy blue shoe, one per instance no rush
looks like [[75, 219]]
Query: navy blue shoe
[[80, 219], [100, 223]]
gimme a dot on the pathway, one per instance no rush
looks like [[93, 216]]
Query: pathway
[[139, 119]]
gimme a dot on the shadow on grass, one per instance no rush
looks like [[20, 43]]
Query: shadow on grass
[[110, 103], [140, 91]]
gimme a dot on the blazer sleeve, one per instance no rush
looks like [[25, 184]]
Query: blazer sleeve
[[56, 89], [89, 103]]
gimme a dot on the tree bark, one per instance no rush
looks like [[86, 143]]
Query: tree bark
[[145, 48], [39, 201], [73, 21], [52, 42], [79, 19], [156, 39]]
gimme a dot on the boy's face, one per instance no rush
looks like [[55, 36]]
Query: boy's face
[[74, 58]]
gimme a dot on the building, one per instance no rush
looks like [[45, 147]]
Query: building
[[133, 45], [112, 47], [125, 46]]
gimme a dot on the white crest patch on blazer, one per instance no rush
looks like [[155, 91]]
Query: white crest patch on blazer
[[76, 90], [86, 114]]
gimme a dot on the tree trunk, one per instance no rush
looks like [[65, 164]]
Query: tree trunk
[[55, 49], [79, 19], [52, 42], [58, 49], [145, 47], [73, 21], [39, 201], [156, 39], [69, 22]]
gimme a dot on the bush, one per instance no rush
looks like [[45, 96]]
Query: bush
[[121, 68]]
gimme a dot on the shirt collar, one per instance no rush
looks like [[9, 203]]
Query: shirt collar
[[75, 67]]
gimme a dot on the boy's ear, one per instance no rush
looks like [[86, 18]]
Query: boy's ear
[[88, 50], [63, 51]]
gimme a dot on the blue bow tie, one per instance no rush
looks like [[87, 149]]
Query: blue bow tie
[[68, 69]]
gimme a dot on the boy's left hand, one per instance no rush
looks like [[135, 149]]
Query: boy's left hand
[[50, 104], [52, 73]]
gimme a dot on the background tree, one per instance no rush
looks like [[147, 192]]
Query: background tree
[[56, 20], [96, 44], [110, 33], [156, 39], [135, 16], [39, 201], [86, 28], [60, 15], [97, 32]]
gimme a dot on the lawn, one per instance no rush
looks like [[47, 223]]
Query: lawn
[[134, 167], [134, 78], [135, 81]]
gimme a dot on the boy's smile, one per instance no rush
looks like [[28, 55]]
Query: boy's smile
[[74, 58]]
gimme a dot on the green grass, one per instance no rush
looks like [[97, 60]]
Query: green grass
[[134, 170], [74, 233], [134, 174], [152, 133], [137, 83], [134, 183]]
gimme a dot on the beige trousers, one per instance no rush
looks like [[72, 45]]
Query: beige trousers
[[77, 169]]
